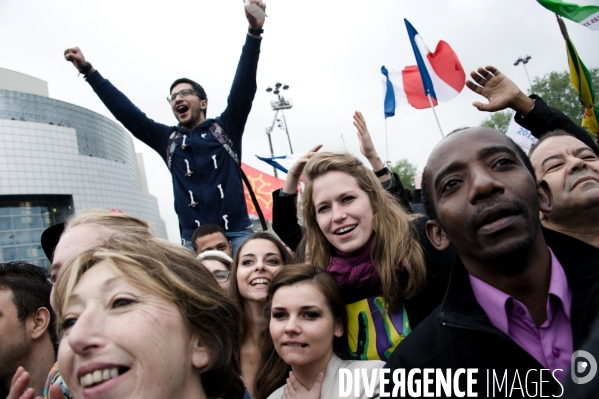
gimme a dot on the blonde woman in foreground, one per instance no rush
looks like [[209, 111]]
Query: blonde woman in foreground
[[145, 320]]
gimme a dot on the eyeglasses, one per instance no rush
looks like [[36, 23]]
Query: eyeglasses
[[182, 93], [221, 276]]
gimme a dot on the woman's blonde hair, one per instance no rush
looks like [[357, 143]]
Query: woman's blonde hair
[[395, 240], [171, 272], [114, 221]]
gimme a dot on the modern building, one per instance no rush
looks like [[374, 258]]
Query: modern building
[[57, 159]]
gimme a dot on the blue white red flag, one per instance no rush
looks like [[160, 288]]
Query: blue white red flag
[[438, 74]]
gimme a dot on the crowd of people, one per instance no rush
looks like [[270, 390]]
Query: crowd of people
[[492, 264]]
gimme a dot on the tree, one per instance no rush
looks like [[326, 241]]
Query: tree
[[498, 120], [406, 171], [557, 91]]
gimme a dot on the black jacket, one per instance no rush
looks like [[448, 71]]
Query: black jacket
[[543, 119], [417, 205], [459, 334], [284, 219]]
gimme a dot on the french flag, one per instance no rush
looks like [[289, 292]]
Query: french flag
[[438, 74]]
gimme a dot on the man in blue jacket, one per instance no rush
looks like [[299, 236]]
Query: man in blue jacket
[[202, 154]]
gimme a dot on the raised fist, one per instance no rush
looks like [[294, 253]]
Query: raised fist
[[75, 56]]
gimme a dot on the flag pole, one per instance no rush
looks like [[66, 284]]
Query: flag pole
[[562, 27], [430, 101], [386, 142]]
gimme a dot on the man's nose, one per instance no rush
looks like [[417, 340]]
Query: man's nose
[[576, 164], [484, 185]]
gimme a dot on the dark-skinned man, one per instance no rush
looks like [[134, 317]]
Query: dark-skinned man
[[517, 300]]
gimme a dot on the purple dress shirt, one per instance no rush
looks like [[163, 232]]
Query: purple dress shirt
[[551, 344]]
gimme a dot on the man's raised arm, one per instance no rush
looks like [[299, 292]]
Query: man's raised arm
[[152, 133], [243, 89], [532, 112]]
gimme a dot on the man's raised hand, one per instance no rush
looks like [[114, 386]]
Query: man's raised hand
[[501, 92], [75, 56], [256, 23]]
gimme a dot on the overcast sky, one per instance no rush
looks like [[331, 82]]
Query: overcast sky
[[328, 52]]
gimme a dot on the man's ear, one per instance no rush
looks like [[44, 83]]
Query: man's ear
[[39, 322], [436, 235], [200, 354], [203, 104], [545, 196], [338, 329]]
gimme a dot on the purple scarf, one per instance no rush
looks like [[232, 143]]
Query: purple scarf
[[354, 269]]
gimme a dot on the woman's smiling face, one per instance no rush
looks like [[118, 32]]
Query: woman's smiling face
[[122, 342], [259, 261], [343, 210]]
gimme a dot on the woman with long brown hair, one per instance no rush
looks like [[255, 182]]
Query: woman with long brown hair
[[390, 275], [307, 326], [255, 265]]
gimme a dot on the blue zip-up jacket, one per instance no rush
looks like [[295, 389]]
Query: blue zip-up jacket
[[213, 191]]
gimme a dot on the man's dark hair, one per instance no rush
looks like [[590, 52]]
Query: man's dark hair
[[553, 133], [204, 230], [197, 88], [31, 287], [429, 207]]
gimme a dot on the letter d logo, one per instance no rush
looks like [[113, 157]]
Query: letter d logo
[[582, 362]]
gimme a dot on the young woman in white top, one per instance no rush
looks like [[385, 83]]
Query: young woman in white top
[[308, 324]]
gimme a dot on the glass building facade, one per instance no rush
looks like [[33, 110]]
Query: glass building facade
[[96, 135], [22, 222], [57, 159]]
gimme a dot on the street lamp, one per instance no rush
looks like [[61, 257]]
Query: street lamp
[[524, 61], [279, 104]]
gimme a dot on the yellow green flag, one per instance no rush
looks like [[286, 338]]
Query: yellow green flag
[[581, 80]]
